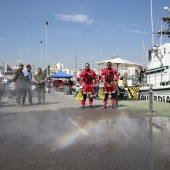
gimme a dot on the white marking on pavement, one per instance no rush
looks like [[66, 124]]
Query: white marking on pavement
[[4, 99], [74, 123]]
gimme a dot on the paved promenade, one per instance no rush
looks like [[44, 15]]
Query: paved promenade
[[131, 104], [61, 135]]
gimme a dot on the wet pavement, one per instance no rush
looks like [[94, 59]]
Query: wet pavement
[[61, 135]]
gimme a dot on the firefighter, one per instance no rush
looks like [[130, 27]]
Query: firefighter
[[87, 78], [108, 76]]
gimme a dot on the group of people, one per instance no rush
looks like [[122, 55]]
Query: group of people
[[23, 82], [59, 84], [88, 79]]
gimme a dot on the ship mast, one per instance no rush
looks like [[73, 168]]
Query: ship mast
[[152, 25]]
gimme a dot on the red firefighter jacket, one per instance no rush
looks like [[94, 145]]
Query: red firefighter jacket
[[88, 77], [109, 75]]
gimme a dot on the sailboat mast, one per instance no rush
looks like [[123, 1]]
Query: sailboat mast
[[90, 55], [91, 62], [82, 62], [100, 57], [76, 59], [143, 58], [75, 70]]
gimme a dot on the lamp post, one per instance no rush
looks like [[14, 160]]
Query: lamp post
[[33, 70], [167, 9], [46, 23], [41, 53]]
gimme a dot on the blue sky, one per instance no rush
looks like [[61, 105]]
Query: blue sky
[[91, 28]]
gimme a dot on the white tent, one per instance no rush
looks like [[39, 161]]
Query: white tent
[[1, 75], [118, 62]]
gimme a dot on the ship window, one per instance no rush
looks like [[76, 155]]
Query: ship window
[[164, 51]]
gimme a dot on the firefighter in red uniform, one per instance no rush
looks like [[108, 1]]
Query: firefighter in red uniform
[[87, 78], [108, 76]]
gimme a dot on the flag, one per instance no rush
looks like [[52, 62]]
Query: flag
[[79, 95], [45, 71]]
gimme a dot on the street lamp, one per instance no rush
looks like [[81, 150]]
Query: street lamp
[[46, 23], [33, 70], [167, 9], [41, 53]]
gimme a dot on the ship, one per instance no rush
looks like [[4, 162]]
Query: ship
[[158, 67]]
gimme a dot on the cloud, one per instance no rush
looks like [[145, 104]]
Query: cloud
[[3, 39], [25, 49], [134, 31], [123, 27], [19, 61], [74, 18], [136, 25]]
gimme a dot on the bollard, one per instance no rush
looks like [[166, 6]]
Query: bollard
[[116, 92], [151, 99]]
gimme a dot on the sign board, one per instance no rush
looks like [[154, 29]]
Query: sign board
[[2, 67], [156, 98]]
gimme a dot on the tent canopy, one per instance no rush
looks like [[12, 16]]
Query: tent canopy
[[118, 62], [61, 74], [1, 75]]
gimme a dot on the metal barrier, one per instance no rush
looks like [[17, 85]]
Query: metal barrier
[[116, 97], [134, 93]]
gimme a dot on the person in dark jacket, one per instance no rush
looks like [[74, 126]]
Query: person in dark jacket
[[141, 76], [19, 78], [40, 80]]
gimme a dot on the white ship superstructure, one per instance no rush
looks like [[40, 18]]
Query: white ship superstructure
[[158, 73], [158, 70]]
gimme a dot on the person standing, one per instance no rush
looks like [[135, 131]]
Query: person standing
[[48, 85], [87, 78], [40, 80], [1, 87], [77, 86], [1, 76], [19, 78], [57, 85], [70, 85], [28, 82], [108, 76], [141, 76], [53, 85], [121, 85]]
